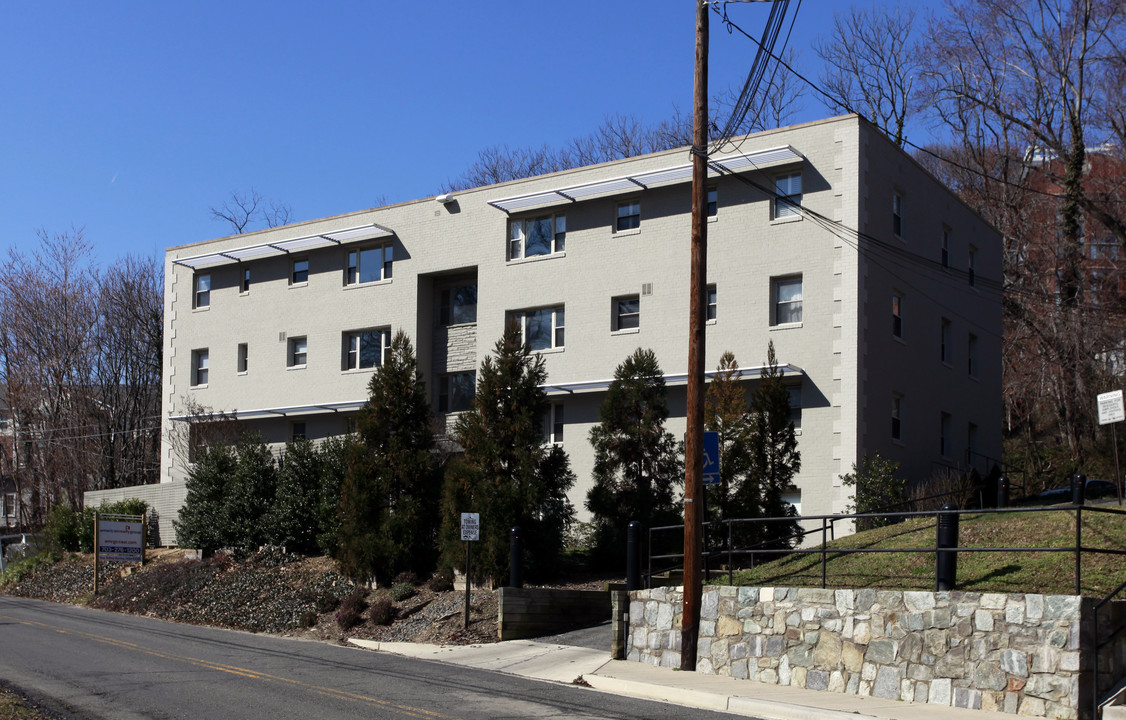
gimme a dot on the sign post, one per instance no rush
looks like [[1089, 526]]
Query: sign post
[[470, 531], [1111, 412]]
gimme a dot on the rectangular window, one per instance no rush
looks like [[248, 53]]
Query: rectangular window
[[10, 506], [298, 352], [553, 424], [787, 300], [945, 247], [896, 417], [201, 364], [627, 312], [455, 391], [459, 305], [242, 357], [971, 266], [297, 431], [300, 272], [244, 286], [629, 215], [944, 342], [788, 195], [366, 349], [536, 236], [542, 329], [944, 435], [971, 442], [367, 265], [201, 293], [971, 355], [897, 316], [710, 298], [897, 214], [713, 202]]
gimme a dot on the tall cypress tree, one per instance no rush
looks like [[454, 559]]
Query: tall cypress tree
[[389, 498], [508, 475], [636, 464], [774, 456]]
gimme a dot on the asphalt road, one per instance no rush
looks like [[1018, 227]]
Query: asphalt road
[[85, 663]]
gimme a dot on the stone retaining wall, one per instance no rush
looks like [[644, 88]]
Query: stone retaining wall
[[1010, 653]]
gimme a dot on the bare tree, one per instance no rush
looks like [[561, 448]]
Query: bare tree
[[245, 210], [202, 428], [871, 62]]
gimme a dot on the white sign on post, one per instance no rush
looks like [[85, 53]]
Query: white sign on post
[[470, 526], [1111, 409], [119, 541]]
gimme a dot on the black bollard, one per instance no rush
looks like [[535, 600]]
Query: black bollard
[[514, 559], [1078, 488], [1003, 491], [633, 556], [946, 563]]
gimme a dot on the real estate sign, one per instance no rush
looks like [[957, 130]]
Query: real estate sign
[[120, 541]]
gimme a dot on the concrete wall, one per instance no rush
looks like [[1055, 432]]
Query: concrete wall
[[1027, 654]]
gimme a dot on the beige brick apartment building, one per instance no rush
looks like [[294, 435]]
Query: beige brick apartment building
[[879, 289]]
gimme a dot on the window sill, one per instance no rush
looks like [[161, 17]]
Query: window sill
[[898, 442], [302, 366], [198, 387], [241, 373], [786, 326], [538, 258], [899, 339], [373, 283], [358, 371], [625, 233], [947, 365], [713, 218], [293, 285], [205, 308], [550, 351], [243, 293], [975, 378], [710, 322], [786, 219], [627, 331], [458, 325]]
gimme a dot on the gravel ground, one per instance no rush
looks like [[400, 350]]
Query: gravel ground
[[269, 592]]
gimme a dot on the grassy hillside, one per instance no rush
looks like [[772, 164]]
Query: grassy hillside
[[1009, 572]]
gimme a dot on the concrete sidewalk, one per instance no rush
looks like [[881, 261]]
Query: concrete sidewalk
[[565, 664]]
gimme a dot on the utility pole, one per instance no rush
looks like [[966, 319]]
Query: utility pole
[[694, 437]]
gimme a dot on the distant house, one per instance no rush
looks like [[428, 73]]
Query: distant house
[[879, 289]]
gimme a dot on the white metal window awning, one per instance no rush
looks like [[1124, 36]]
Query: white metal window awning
[[286, 411], [744, 373], [760, 160], [280, 247]]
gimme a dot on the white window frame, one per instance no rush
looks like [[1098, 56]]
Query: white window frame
[[557, 318], [620, 312], [795, 395], [201, 296], [897, 417], [788, 196], [553, 424], [201, 367], [298, 430], [244, 281], [627, 216], [897, 213], [518, 236], [299, 267], [297, 352], [243, 358], [357, 260], [711, 303], [353, 356], [713, 202], [776, 304], [897, 315]]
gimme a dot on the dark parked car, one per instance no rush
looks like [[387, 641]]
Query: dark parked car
[[1094, 490]]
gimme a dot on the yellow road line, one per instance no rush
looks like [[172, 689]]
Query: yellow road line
[[242, 672]]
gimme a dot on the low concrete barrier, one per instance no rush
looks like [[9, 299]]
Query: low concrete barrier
[[534, 612]]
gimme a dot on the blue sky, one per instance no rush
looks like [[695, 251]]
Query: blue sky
[[131, 119]]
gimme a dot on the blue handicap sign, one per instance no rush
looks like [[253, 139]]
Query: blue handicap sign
[[711, 458]]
